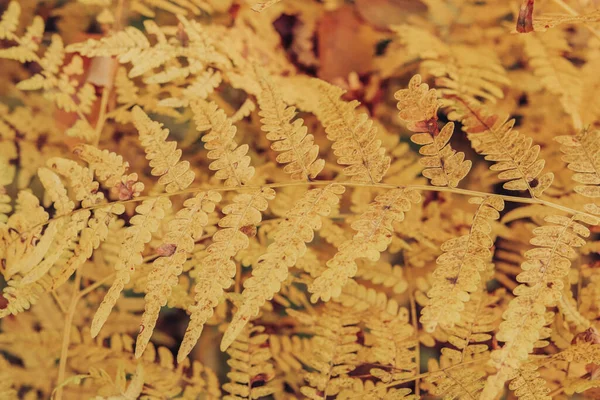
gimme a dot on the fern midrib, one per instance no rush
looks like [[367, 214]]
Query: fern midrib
[[465, 192]]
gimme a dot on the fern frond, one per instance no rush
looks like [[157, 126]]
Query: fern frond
[[20, 296], [250, 365], [217, 269], [108, 167], [290, 238], [394, 346], [334, 352], [541, 286], [557, 74], [479, 320], [582, 154], [459, 269], [143, 224], [513, 153], [183, 230], [61, 86], [24, 248], [297, 148], [129, 45], [56, 191], [199, 89], [383, 273], [164, 156], [371, 391], [455, 382], [354, 136], [27, 45], [466, 71], [527, 384], [86, 191], [418, 107], [231, 161], [10, 20], [361, 298], [374, 234]]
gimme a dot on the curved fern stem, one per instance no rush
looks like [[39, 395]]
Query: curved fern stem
[[464, 192]]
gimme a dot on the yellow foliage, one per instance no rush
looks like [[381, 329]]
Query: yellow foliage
[[288, 199]]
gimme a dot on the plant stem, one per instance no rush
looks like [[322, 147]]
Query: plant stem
[[67, 334], [465, 192]]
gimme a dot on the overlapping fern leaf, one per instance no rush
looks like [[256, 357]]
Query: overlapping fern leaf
[[355, 138], [251, 375], [335, 353], [289, 244], [459, 269], [290, 138], [230, 160], [418, 107], [542, 281], [175, 175], [514, 155], [217, 269], [582, 154], [374, 234]]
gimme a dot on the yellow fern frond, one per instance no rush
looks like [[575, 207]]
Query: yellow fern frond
[[56, 191], [107, 166], [334, 353], [383, 273], [183, 230], [459, 269], [251, 365], [231, 162], [582, 153], [130, 45], [354, 136], [10, 20], [455, 382], [164, 156], [23, 230], [96, 231], [528, 384], [374, 234], [542, 281], [20, 296], [394, 346], [514, 154], [465, 71], [557, 74], [418, 107], [217, 269], [289, 244], [199, 89], [28, 44], [143, 224], [478, 321], [290, 138], [362, 298]]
